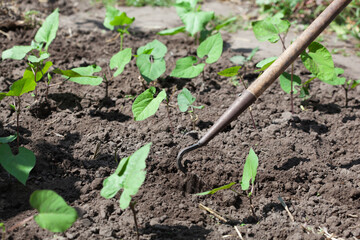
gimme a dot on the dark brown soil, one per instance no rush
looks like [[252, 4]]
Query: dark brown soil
[[311, 159]]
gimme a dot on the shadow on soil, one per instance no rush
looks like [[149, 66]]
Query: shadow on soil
[[292, 162], [351, 164], [307, 125], [177, 232]]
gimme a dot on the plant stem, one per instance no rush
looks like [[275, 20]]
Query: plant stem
[[250, 111], [132, 207], [121, 41], [292, 90], [251, 205], [346, 96], [18, 109]]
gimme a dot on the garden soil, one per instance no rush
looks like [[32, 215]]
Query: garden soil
[[311, 159]]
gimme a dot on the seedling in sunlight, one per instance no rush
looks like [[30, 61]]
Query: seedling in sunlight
[[248, 178], [129, 175], [185, 101], [115, 19], [198, 24], [212, 47], [37, 67], [54, 214]]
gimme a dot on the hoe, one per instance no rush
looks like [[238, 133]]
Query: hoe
[[249, 96]]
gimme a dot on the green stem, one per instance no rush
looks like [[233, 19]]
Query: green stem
[[121, 41], [292, 90], [18, 109], [132, 207]]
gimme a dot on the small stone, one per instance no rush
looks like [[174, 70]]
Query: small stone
[[154, 221], [96, 184], [106, 231]]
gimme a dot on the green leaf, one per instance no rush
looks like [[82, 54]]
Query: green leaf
[[355, 84], [2, 95], [35, 59], [16, 52], [18, 165], [250, 169], [82, 75], [129, 175], [185, 99], [225, 23], [230, 72], [336, 79], [264, 64], [318, 61], [121, 20], [252, 54], [151, 64], [212, 47], [28, 74], [47, 32], [172, 31], [22, 86], [185, 68], [285, 82], [145, 105], [158, 49], [196, 21], [150, 70], [111, 13], [7, 139], [184, 6], [120, 60], [55, 214], [238, 60], [270, 28], [216, 189]]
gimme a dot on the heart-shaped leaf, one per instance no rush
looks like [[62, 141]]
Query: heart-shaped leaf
[[196, 21], [22, 86], [185, 99], [18, 165], [55, 214], [270, 28], [285, 82], [212, 47], [145, 105], [318, 61], [185, 68]]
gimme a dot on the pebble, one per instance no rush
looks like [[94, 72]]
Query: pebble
[[96, 184], [106, 231]]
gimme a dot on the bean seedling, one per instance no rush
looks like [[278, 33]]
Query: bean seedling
[[145, 105], [212, 47], [185, 102], [129, 175], [196, 22], [249, 174]]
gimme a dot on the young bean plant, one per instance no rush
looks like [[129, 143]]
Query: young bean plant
[[20, 164], [248, 178], [317, 59], [212, 47], [198, 24], [129, 175], [185, 102]]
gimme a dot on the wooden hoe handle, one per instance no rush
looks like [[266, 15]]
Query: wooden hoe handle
[[250, 95]]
